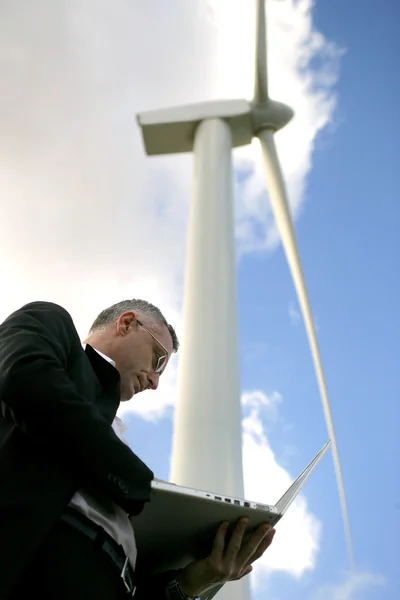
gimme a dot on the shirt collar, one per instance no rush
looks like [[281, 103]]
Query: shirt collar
[[107, 358], [117, 421]]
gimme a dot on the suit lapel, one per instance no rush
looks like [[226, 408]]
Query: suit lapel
[[109, 379]]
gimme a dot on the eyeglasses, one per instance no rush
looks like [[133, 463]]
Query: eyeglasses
[[161, 360]]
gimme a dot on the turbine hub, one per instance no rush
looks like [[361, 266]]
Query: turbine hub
[[271, 115]]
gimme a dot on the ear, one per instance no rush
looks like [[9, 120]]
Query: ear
[[126, 323]]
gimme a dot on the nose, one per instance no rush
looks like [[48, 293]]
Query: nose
[[153, 380]]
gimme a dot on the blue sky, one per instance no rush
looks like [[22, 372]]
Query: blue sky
[[349, 241], [81, 227]]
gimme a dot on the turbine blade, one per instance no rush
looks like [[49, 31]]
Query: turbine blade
[[261, 76], [280, 208]]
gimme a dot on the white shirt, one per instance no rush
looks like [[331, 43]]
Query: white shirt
[[103, 511]]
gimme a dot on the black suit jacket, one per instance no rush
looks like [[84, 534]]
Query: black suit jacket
[[57, 405]]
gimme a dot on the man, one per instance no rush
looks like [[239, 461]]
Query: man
[[68, 481]]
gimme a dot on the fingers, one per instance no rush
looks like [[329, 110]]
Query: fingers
[[244, 573], [235, 543], [235, 550], [219, 540], [264, 544], [233, 560], [261, 548], [259, 541]]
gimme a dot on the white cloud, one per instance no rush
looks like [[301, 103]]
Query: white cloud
[[86, 218], [350, 588], [297, 540], [258, 400]]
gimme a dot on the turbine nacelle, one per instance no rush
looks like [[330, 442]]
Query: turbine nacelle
[[172, 130]]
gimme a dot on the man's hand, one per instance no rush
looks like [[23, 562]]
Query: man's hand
[[228, 561]]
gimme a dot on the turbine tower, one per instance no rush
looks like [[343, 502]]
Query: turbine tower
[[207, 442]]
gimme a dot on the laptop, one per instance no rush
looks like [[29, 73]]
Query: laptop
[[178, 525]]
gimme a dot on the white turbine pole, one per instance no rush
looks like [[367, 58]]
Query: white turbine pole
[[207, 440], [207, 448], [207, 451]]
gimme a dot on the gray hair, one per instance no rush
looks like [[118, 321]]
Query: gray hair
[[110, 315]]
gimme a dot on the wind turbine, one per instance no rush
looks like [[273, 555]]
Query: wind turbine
[[207, 442]]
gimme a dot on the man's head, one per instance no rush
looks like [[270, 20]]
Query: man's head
[[136, 336]]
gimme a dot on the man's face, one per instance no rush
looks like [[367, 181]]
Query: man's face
[[136, 353]]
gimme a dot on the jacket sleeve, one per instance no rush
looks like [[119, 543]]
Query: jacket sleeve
[[37, 344]]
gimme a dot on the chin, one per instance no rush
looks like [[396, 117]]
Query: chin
[[127, 393]]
